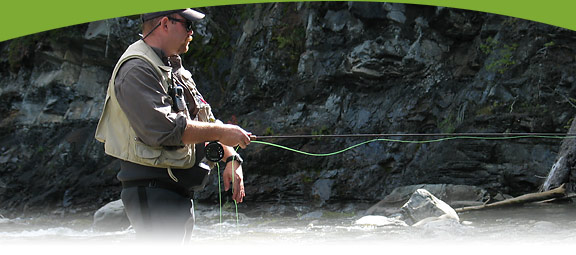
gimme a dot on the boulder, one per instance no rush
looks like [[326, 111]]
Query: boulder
[[425, 206], [453, 195], [563, 169], [111, 217]]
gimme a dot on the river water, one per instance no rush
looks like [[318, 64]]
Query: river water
[[538, 225]]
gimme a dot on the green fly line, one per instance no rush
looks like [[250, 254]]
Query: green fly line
[[378, 140], [411, 141], [220, 194]]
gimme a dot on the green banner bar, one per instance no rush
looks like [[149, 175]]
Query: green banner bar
[[19, 18]]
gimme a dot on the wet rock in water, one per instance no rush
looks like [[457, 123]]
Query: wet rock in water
[[453, 195], [312, 215], [111, 217], [425, 206], [379, 221]]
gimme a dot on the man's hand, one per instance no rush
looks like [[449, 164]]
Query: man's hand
[[235, 136], [233, 167]]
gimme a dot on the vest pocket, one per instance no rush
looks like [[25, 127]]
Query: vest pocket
[[146, 154], [159, 157], [182, 157]]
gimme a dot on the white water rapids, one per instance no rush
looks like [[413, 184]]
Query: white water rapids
[[528, 227]]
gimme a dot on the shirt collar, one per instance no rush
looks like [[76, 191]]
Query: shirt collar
[[161, 54]]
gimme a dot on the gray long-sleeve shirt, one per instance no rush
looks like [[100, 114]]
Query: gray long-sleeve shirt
[[139, 92]]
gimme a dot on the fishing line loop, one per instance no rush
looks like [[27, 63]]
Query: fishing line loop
[[415, 142], [482, 136]]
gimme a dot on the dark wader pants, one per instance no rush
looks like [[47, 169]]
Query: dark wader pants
[[158, 214]]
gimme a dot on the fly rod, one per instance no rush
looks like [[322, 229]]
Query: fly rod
[[214, 151], [519, 135]]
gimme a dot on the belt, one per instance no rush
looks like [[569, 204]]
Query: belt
[[161, 184]]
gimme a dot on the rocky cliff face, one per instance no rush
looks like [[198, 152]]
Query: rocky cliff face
[[304, 68]]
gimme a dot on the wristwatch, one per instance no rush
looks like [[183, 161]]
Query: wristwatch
[[235, 157]]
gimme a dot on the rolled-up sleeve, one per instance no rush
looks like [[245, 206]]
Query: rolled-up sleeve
[[139, 92]]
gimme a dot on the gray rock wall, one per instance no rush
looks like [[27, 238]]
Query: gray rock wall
[[304, 68]]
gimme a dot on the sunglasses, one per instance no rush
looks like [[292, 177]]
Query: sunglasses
[[187, 24]]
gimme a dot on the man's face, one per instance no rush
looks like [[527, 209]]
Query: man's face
[[180, 37]]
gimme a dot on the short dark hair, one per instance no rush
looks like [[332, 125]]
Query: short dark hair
[[148, 25]]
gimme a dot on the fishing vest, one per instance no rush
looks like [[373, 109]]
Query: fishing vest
[[118, 136]]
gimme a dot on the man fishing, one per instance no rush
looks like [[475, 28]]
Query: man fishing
[[157, 123]]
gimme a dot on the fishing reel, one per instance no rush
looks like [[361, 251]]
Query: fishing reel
[[214, 151]]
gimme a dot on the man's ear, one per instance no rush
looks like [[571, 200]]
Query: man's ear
[[164, 23]]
